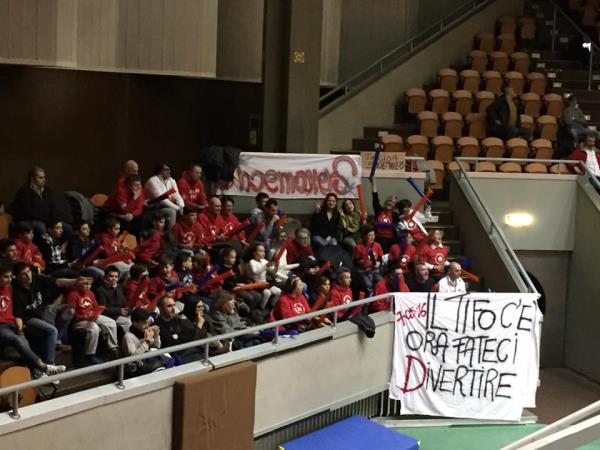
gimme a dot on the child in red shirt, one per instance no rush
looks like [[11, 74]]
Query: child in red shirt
[[27, 251], [150, 247], [188, 233]]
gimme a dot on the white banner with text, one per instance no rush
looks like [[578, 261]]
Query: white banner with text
[[469, 356]]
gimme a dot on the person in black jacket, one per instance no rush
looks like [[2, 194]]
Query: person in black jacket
[[325, 223], [110, 294], [418, 280], [503, 118]]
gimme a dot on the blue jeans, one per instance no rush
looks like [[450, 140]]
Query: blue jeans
[[9, 336], [43, 337]]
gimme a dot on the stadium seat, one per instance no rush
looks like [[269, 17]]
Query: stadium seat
[[476, 124], [440, 173], [526, 29], [542, 149], [468, 147], [484, 99], [418, 145], [454, 166], [537, 83], [510, 167], [448, 79], [429, 123], [561, 169], [485, 42], [443, 148], [515, 80], [98, 200], [493, 147], [536, 168], [517, 148], [506, 43], [548, 127], [416, 100], [470, 80], [453, 124], [526, 121], [485, 166], [493, 81], [392, 143], [500, 62], [463, 101], [478, 61], [520, 62], [440, 101], [5, 221], [130, 242], [531, 104], [507, 25], [554, 104]]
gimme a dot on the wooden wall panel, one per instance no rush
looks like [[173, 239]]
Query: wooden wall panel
[[4, 28], [22, 29]]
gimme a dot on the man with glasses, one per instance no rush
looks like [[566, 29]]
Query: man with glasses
[[300, 247]]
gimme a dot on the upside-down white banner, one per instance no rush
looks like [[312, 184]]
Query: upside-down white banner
[[470, 356], [296, 175]]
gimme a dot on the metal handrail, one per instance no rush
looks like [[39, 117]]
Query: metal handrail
[[494, 226], [121, 362], [413, 43]]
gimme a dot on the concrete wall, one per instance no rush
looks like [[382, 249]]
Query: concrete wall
[[583, 307], [375, 104], [549, 199]]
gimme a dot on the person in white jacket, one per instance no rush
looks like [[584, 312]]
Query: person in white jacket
[[160, 183], [258, 267], [452, 282]]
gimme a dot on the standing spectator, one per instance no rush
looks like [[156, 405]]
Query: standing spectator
[[260, 199], [159, 184], [300, 247], [384, 218], [433, 254], [11, 330], [211, 222], [452, 282], [88, 317], [588, 153], [413, 225], [191, 188], [231, 221], [110, 295], [350, 223], [188, 233], [503, 119], [325, 222], [419, 280], [367, 259], [127, 203]]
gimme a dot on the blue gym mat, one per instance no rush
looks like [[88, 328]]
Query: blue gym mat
[[355, 433]]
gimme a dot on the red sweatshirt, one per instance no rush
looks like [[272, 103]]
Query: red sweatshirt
[[6, 305], [363, 258], [136, 298], [192, 192], [122, 202], [295, 251], [290, 306], [385, 217], [147, 250], [159, 284], [338, 296], [188, 236], [432, 254], [383, 286], [110, 243], [29, 253], [415, 231], [212, 226], [232, 222], [405, 258], [85, 304]]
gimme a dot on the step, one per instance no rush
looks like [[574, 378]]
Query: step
[[401, 129], [454, 246]]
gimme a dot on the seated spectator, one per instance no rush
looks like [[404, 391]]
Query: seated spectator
[[183, 268], [227, 320], [150, 245], [112, 244], [325, 222], [503, 118], [292, 303], [188, 232], [228, 262], [130, 167], [351, 223], [80, 242], [127, 203], [413, 225], [191, 188], [319, 292], [35, 204], [159, 184], [141, 338], [283, 266], [195, 312], [269, 217], [88, 317], [393, 281], [175, 330], [573, 119], [136, 288], [45, 322], [367, 260], [231, 221], [341, 292], [110, 295], [260, 199], [165, 278], [53, 249], [211, 222], [419, 280], [11, 330], [433, 254], [403, 252], [452, 282], [588, 153], [8, 253], [27, 251], [384, 218], [258, 267], [300, 247]]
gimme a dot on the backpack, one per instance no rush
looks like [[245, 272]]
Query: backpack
[[83, 210]]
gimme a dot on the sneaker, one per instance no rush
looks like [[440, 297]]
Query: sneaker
[[37, 374], [51, 369], [93, 359]]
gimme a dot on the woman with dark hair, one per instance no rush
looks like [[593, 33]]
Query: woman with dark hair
[[367, 260], [350, 224], [227, 320], [325, 222], [320, 289], [195, 311], [292, 303], [161, 183]]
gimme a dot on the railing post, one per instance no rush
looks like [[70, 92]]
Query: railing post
[[276, 337], [335, 318], [206, 350], [119, 384], [14, 413], [553, 28], [591, 67]]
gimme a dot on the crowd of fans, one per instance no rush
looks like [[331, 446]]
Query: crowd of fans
[[199, 269]]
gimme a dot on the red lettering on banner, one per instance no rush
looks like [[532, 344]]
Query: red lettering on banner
[[304, 181], [410, 359], [412, 313]]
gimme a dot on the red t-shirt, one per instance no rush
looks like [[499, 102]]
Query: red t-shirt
[[232, 222], [339, 295], [212, 226], [110, 243], [383, 287], [290, 306], [385, 232], [432, 254], [192, 192], [136, 298], [122, 202], [363, 254], [150, 247], [295, 251], [6, 305], [188, 236], [85, 304], [405, 258], [29, 253]]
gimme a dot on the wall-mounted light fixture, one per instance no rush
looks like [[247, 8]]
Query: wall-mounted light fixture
[[517, 220]]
